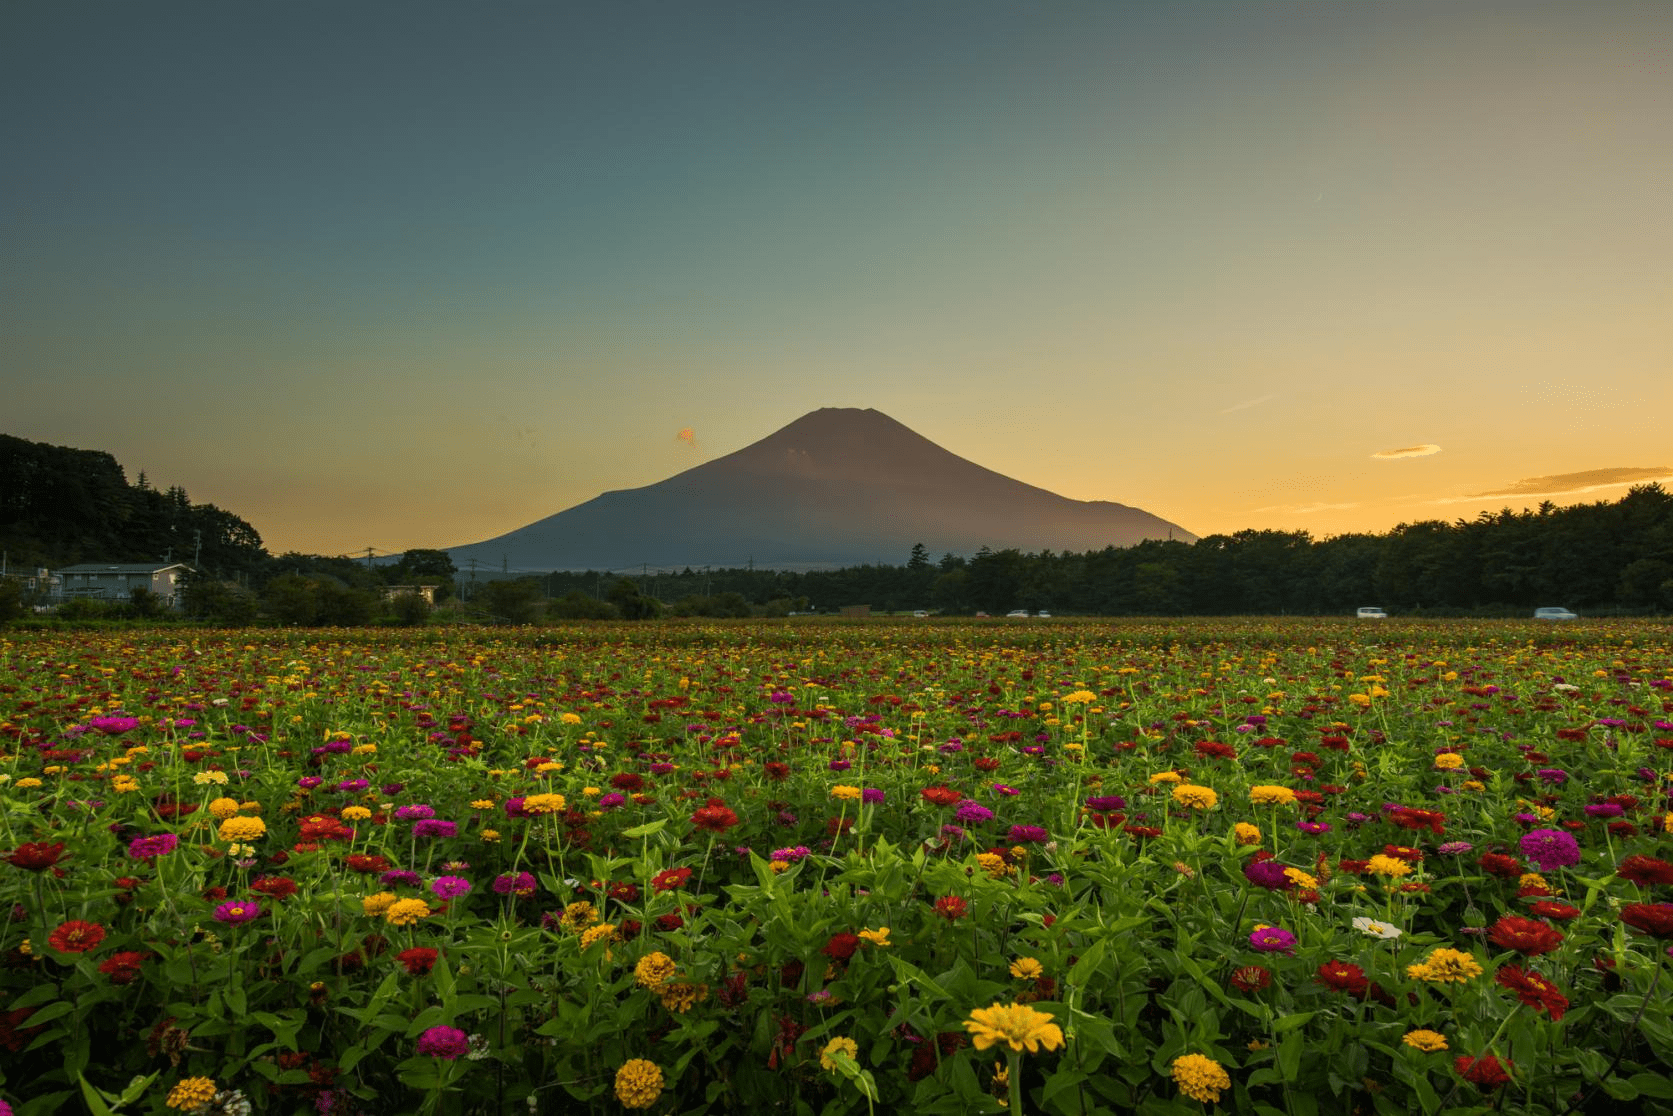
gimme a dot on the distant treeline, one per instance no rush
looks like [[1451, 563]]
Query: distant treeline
[[1603, 557], [62, 506]]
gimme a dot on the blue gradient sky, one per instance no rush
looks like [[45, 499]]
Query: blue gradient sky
[[416, 274]]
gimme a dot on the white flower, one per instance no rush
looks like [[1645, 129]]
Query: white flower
[[1376, 929]]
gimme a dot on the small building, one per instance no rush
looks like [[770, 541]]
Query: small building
[[116, 582], [858, 612], [428, 592]]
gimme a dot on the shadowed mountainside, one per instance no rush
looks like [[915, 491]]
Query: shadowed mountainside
[[840, 486]]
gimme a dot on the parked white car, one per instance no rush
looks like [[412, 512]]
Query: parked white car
[[1017, 614], [1554, 614], [1371, 612]]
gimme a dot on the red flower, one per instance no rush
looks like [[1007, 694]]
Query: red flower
[[1213, 749], [1549, 908], [1485, 1072], [1525, 935], [671, 879], [627, 781], [1250, 978], [777, 772], [1343, 976], [76, 936], [1533, 990], [1655, 919], [1645, 870], [985, 763], [36, 856], [418, 960], [122, 967], [362, 862], [951, 907], [714, 819], [1411, 817], [279, 887], [841, 947], [1403, 852], [668, 923], [1498, 864], [941, 796]]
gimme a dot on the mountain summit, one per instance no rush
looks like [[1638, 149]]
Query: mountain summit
[[838, 487]]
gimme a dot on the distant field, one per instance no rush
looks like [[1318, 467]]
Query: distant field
[[1283, 866]]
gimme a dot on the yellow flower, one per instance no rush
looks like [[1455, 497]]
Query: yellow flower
[[578, 916], [879, 937], [1200, 1078], [839, 1044], [1247, 834], [548, 767], [1384, 865], [490, 835], [846, 793], [1301, 879], [28, 782], [1448, 761], [602, 932], [1026, 968], [994, 865], [1531, 879], [678, 996], [375, 905], [570, 718], [405, 912], [204, 779], [191, 1093], [1472, 785], [1080, 697], [543, 803], [1445, 965], [124, 784], [355, 813], [242, 829], [1269, 795], [1016, 1025], [1426, 1041], [482, 804], [1164, 777], [638, 1082], [1197, 798], [654, 970]]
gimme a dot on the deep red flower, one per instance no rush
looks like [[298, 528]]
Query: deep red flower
[[1645, 870], [951, 907], [941, 796], [1655, 919], [36, 856], [841, 947], [418, 961], [625, 892], [1403, 852], [714, 819], [668, 923], [1343, 976], [627, 781], [279, 887], [1213, 749], [1485, 1073], [123, 967], [369, 863], [777, 772], [985, 763], [1550, 908], [1533, 990], [1410, 817], [1500, 865], [1525, 935], [76, 936], [1250, 978], [671, 879]]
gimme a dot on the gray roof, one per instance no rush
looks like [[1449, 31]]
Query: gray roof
[[121, 568]]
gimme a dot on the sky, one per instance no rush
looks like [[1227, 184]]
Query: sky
[[414, 274]]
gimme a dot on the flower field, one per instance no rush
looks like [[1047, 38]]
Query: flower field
[[1293, 868]]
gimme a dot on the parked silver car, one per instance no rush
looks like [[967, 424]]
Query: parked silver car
[[1554, 614]]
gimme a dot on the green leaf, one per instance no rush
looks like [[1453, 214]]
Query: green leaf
[[96, 1098], [645, 830], [1291, 1022]]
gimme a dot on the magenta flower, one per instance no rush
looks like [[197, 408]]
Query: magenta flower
[[149, 848], [235, 911], [433, 827], [522, 885], [443, 1042], [1033, 833], [970, 811], [414, 812], [871, 794], [1550, 848], [1273, 940], [451, 887]]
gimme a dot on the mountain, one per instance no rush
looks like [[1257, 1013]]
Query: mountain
[[840, 486]]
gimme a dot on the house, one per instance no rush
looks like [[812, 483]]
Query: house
[[116, 582], [428, 592]]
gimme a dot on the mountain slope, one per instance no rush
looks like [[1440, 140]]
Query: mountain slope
[[839, 486]]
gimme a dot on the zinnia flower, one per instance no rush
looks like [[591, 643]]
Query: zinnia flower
[[1017, 1025], [1197, 798], [76, 936], [1550, 848], [1200, 1078], [1343, 976], [237, 911], [638, 1083], [1655, 919], [1270, 795], [841, 1044], [37, 856], [1424, 1040], [405, 912], [714, 819], [191, 1093], [1525, 935], [450, 887], [417, 961], [670, 879], [653, 970], [1533, 990], [443, 1042], [1445, 965], [1026, 968], [242, 829], [1485, 1073], [1270, 939]]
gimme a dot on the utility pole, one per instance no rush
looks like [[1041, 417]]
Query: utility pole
[[197, 548], [368, 557]]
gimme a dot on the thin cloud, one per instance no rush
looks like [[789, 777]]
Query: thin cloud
[[1587, 480], [1247, 403], [1407, 451]]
